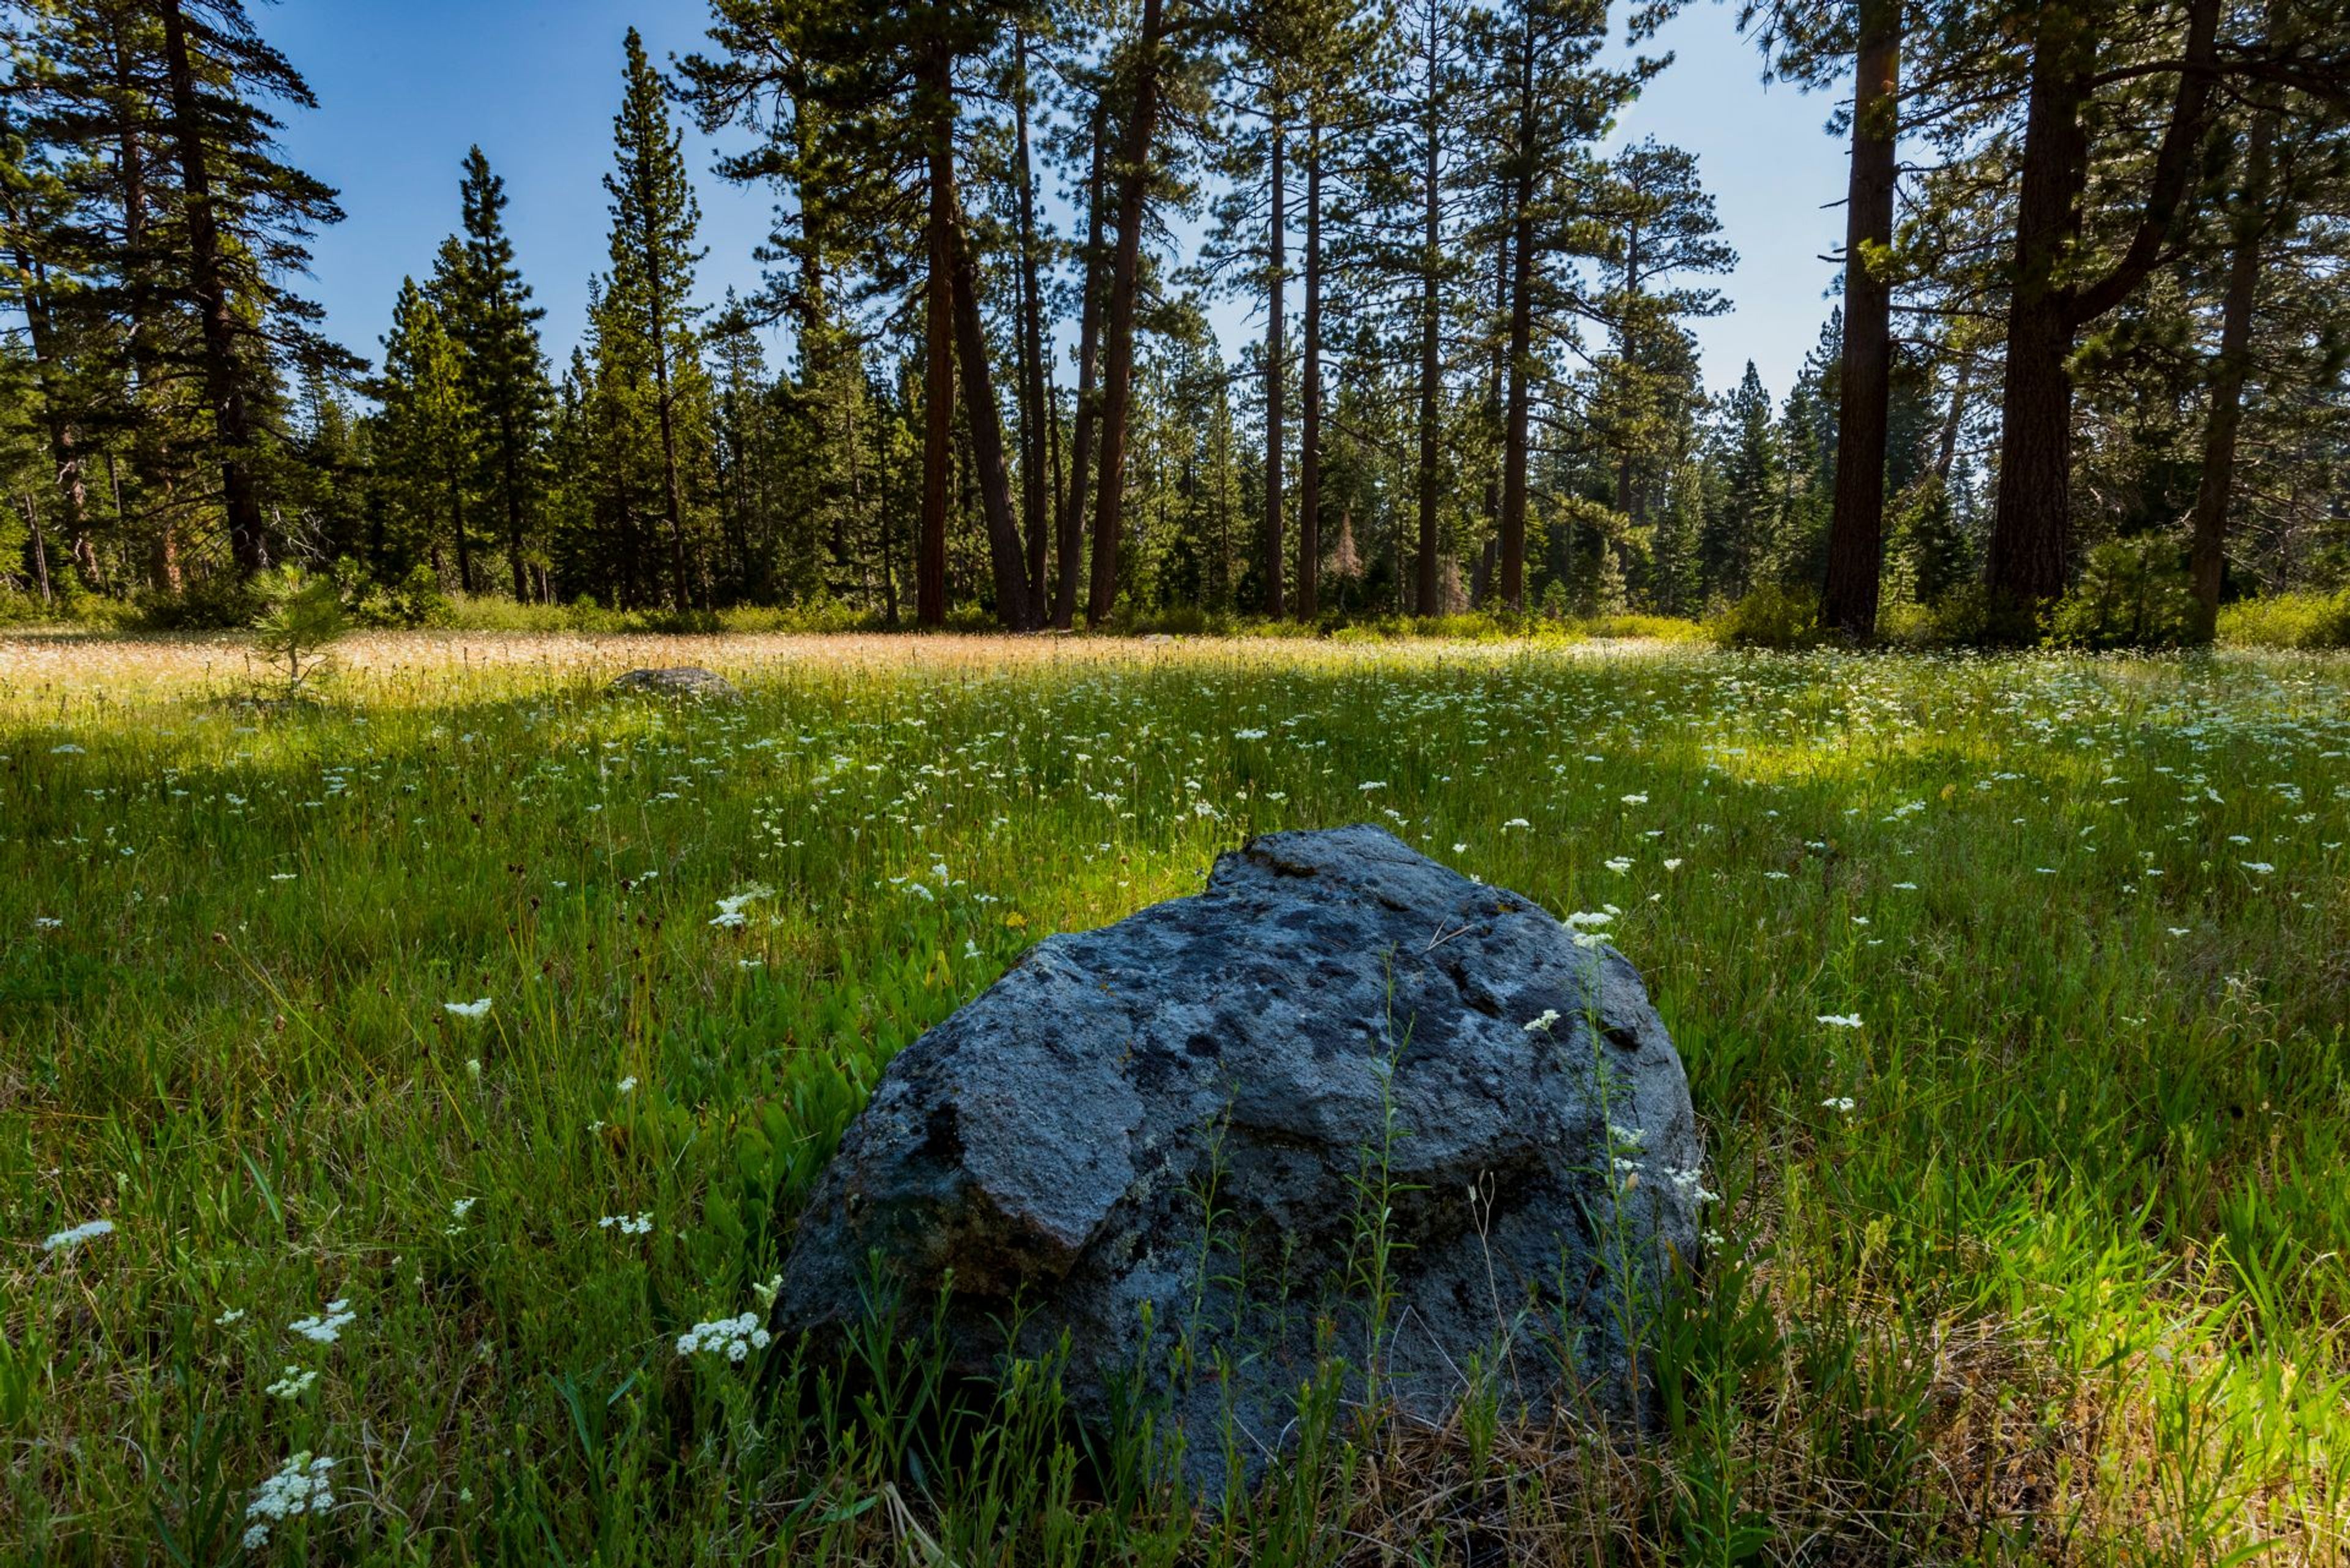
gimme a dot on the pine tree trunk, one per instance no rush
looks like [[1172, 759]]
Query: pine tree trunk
[[1857, 522], [1480, 573], [1134, 189], [1071, 522], [225, 380], [1276, 353], [150, 452], [1309, 433], [2031, 521], [1432, 328], [1034, 495], [1012, 602], [2031, 541], [938, 402], [2206, 556], [1517, 419]]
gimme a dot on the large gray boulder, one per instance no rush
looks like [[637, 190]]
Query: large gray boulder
[[1166, 1139]]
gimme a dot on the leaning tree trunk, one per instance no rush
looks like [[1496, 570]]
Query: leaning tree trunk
[[2206, 556], [224, 378], [1856, 523], [1012, 600], [1134, 189]]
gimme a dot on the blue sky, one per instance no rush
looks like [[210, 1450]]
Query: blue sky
[[405, 87]]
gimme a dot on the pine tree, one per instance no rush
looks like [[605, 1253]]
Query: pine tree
[[1809, 439], [245, 216], [1544, 101], [487, 309], [423, 448], [648, 299], [1741, 536], [1661, 234]]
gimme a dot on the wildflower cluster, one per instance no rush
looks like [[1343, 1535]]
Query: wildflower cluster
[[731, 1337], [300, 1487], [325, 1327]]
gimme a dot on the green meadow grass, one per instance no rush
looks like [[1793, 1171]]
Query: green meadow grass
[[2048, 1259]]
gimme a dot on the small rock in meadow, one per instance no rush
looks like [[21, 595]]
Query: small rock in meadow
[[678, 680], [1332, 997]]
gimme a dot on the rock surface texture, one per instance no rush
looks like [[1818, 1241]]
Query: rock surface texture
[[680, 680], [1182, 1129]]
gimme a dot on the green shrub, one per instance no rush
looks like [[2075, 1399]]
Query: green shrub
[[1770, 616], [21, 609], [2288, 620], [1652, 627], [1959, 618], [2133, 593], [73, 607], [415, 600]]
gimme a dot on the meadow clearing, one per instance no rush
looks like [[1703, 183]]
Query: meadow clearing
[[403, 1097]]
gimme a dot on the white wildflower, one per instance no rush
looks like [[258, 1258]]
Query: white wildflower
[[298, 1488], [733, 1337], [293, 1383], [327, 1326], [729, 908]]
